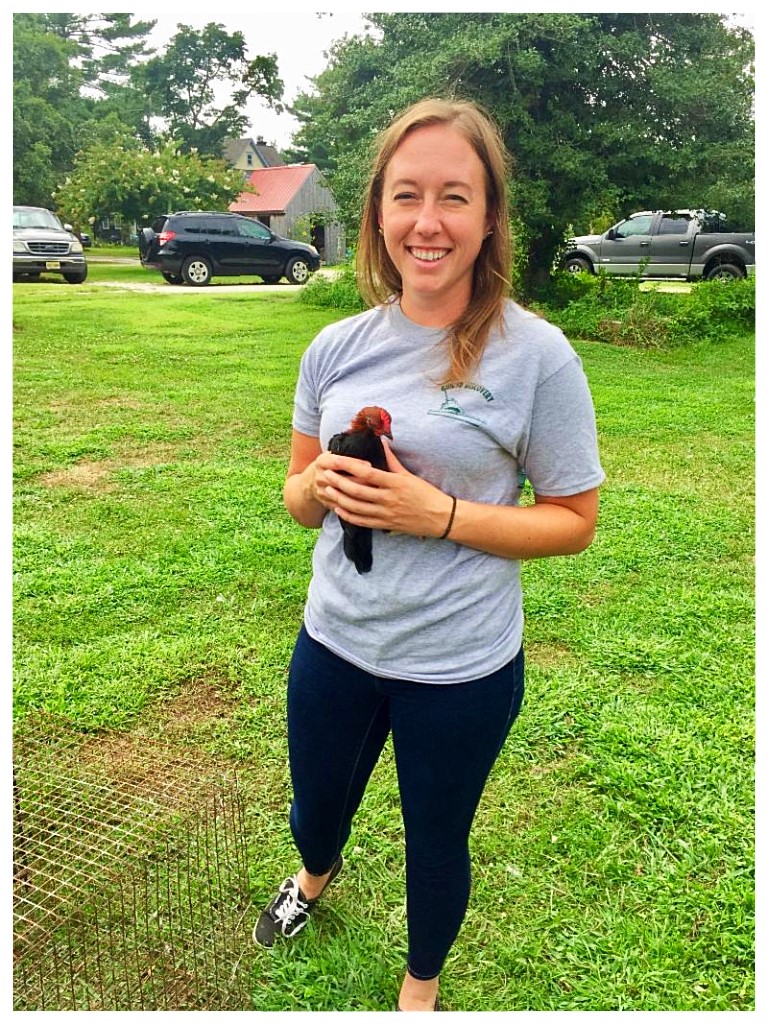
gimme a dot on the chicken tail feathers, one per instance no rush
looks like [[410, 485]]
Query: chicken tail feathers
[[358, 546], [363, 441]]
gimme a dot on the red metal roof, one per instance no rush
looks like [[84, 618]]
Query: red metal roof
[[276, 187]]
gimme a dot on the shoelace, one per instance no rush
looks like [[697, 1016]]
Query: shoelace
[[291, 906]]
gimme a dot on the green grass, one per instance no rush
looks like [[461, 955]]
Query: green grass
[[108, 249], [613, 849]]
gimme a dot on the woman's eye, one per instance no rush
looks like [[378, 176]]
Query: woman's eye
[[456, 199], [404, 195]]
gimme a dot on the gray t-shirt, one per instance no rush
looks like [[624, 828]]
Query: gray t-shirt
[[431, 610]]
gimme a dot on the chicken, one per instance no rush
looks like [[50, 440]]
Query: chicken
[[363, 441]]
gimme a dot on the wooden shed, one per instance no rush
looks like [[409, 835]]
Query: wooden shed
[[295, 202]]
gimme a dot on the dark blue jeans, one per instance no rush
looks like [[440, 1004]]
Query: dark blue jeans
[[445, 739]]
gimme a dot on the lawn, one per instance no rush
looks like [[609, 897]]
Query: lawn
[[613, 850]]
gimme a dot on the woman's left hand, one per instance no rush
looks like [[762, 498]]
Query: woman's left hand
[[398, 500], [401, 502]]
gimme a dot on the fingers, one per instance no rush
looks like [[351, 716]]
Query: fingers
[[393, 499], [398, 505], [334, 475], [345, 489], [394, 465], [360, 468]]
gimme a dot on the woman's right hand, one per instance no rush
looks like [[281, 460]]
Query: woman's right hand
[[315, 476], [307, 482]]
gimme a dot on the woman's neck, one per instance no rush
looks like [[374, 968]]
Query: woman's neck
[[432, 314]]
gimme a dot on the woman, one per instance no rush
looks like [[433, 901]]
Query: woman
[[427, 645]]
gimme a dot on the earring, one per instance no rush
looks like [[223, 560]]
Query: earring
[[488, 233], [381, 231]]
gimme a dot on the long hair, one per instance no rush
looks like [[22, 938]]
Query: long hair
[[379, 279]]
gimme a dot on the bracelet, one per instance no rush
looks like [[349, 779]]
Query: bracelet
[[447, 530]]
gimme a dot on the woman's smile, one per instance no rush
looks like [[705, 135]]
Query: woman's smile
[[428, 255]]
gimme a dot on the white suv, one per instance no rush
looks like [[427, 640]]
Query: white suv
[[41, 245]]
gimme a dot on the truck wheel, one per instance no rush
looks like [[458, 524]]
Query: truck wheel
[[77, 278], [725, 272], [197, 271], [297, 270], [578, 265]]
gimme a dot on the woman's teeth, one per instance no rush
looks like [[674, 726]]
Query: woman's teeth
[[430, 255]]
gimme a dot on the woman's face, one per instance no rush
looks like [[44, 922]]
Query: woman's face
[[434, 217]]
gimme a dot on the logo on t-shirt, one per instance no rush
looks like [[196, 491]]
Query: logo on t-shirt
[[451, 407]]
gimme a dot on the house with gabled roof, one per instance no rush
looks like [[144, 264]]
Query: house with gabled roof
[[294, 201], [247, 155]]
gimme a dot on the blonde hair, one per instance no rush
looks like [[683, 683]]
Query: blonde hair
[[379, 279]]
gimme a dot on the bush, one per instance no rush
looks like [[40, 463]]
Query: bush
[[728, 304], [337, 292], [599, 308], [563, 289]]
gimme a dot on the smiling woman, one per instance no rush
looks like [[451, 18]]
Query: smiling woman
[[423, 639], [473, 139]]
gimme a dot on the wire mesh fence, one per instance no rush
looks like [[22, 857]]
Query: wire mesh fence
[[130, 875]]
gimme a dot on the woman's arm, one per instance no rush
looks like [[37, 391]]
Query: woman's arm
[[401, 502], [299, 493], [553, 526]]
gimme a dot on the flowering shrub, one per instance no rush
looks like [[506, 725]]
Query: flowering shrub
[[137, 184]]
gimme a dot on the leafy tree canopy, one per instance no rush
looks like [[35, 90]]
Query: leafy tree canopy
[[80, 79], [47, 109], [143, 183], [106, 46], [108, 50], [182, 85], [601, 112]]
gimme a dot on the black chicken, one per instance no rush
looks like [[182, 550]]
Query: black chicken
[[363, 441]]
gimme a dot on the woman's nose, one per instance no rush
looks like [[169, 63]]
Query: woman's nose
[[428, 219]]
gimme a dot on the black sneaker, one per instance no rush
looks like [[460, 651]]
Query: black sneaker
[[289, 911]]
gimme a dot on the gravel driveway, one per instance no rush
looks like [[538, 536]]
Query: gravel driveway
[[210, 289], [217, 286]]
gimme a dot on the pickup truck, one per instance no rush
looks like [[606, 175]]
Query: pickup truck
[[42, 244], [688, 244]]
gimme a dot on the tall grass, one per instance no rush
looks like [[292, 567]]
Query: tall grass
[[153, 559], [603, 308]]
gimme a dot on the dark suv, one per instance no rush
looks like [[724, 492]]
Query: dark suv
[[192, 247]]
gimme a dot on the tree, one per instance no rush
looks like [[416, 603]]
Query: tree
[[599, 111], [143, 183], [108, 50], [47, 109], [80, 78], [68, 72], [182, 86], [107, 47]]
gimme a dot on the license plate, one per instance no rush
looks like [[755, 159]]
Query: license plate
[[52, 265]]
